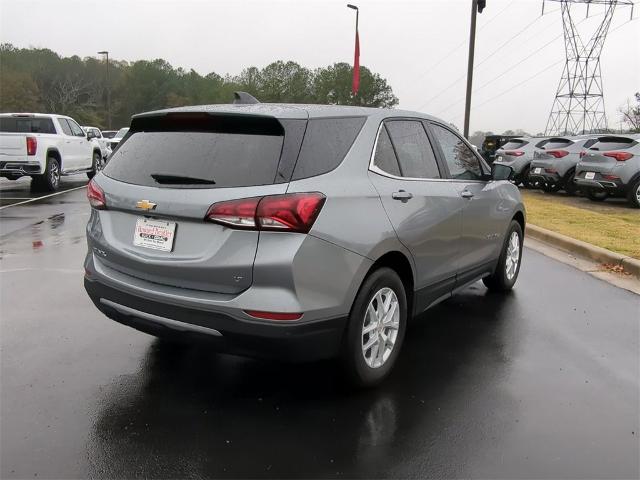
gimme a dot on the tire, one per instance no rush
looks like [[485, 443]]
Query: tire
[[50, 179], [505, 275], [569, 185], [362, 367], [634, 194], [550, 187], [596, 195], [525, 180], [96, 166]]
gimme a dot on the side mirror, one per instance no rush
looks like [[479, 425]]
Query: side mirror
[[501, 172], [91, 134]]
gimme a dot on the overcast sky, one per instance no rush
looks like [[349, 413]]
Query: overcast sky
[[420, 47]]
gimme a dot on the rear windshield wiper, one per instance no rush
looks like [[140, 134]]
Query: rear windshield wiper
[[168, 179]]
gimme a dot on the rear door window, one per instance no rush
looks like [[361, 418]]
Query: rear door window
[[413, 149], [65, 126], [326, 142], [27, 125]]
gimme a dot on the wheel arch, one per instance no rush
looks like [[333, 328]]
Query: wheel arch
[[399, 263], [520, 218], [53, 152]]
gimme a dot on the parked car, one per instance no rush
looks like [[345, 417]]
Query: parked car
[[492, 143], [611, 167], [115, 140], [518, 154], [45, 147], [100, 140], [274, 230], [109, 133], [554, 163]]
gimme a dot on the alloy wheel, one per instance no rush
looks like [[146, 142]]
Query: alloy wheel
[[54, 174], [380, 327], [513, 255]]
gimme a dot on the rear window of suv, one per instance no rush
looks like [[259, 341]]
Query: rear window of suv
[[514, 144], [26, 125], [553, 143], [605, 144]]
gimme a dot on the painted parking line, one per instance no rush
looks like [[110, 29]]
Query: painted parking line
[[35, 199]]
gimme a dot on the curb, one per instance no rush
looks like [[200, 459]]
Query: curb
[[584, 249]]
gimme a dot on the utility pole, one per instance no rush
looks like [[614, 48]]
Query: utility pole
[[476, 6], [106, 53]]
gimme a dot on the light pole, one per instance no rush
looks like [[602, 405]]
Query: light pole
[[104, 52], [355, 84], [476, 6]]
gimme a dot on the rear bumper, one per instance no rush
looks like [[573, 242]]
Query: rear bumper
[[290, 341], [9, 168], [615, 187]]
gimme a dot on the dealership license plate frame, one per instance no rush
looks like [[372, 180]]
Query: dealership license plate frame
[[162, 239]]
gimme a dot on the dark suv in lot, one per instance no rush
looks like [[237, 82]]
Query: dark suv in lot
[[301, 232]]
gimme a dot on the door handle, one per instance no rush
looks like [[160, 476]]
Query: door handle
[[402, 195], [466, 194]]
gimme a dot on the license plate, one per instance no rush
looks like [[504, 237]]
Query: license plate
[[537, 170], [154, 234], [590, 175]]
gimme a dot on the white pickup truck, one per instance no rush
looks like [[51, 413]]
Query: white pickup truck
[[44, 147]]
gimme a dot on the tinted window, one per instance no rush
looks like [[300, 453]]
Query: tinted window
[[413, 149], [26, 125], [612, 143], [385, 158], [65, 126], [325, 144], [228, 159], [514, 144], [462, 162], [554, 143], [590, 142]]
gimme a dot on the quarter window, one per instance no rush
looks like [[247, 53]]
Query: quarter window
[[463, 163], [413, 150], [385, 158]]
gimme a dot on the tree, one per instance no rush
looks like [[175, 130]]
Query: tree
[[33, 79], [631, 114]]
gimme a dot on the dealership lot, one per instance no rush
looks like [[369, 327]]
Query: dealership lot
[[541, 383]]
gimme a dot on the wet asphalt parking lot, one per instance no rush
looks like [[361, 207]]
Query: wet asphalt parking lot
[[541, 383]]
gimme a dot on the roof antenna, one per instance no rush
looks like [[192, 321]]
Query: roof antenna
[[243, 98]]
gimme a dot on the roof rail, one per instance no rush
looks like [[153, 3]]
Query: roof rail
[[243, 98]]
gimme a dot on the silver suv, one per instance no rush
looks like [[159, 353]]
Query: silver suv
[[554, 164], [300, 232], [611, 167], [518, 153]]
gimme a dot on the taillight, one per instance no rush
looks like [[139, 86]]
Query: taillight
[[273, 315], [32, 146], [619, 156], [235, 213], [551, 170], [558, 153], [611, 177], [295, 212], [96, 196], [514, 153]]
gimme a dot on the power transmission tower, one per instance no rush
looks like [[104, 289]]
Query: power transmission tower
[[579, 103]]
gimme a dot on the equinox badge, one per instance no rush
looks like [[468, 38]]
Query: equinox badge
[[145, 205]]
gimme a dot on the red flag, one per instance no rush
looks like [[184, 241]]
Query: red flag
[[356, 66]]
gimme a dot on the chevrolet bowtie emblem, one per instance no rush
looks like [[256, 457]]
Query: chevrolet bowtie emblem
[[145, 205]]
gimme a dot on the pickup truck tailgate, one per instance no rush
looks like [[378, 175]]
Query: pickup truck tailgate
[[13, 144]]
